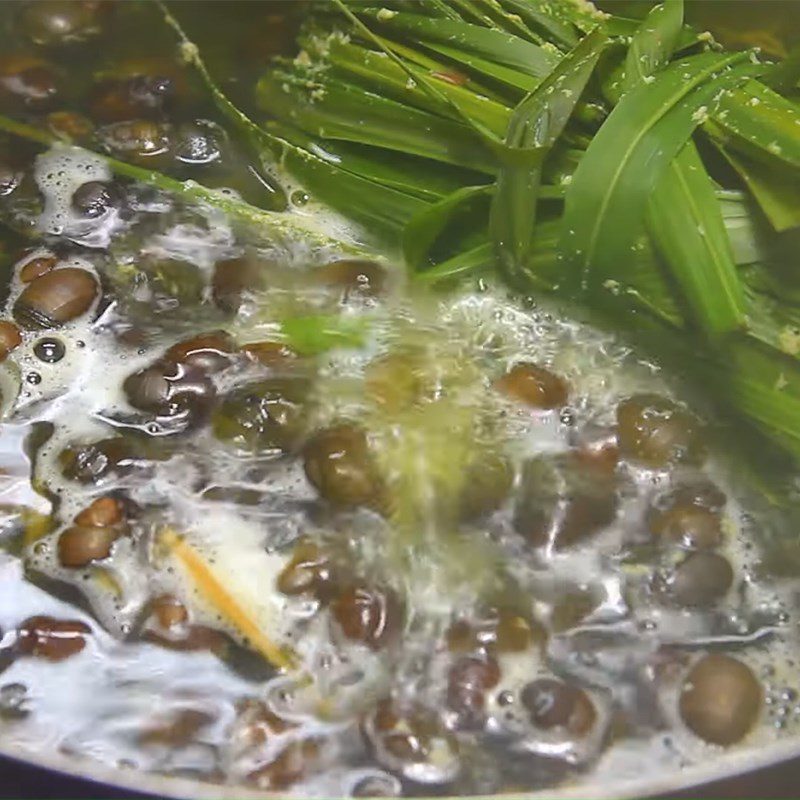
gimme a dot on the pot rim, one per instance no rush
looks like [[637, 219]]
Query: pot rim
[[722, 766]]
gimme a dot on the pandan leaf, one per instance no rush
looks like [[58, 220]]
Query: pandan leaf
[[757, 121], [607, 198], [424, 227], [775, 190], [654, 43], [685, 222], [537, 122], [317, 333]]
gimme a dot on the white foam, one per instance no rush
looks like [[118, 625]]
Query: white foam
[[59, 172]]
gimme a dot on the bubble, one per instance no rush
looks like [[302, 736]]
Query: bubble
[[13, 698], [378, 784], [505, 698], [34, 378], [76, 167], [299, 198], [49, 350]]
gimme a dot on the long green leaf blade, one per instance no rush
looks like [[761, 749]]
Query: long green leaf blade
[[335, 110], [538, 122], [653, 43], [607, 197], [775, 191], [763, 384], [552, 29], [484, 67], [785, 75], [685, 222], [424, 227], [496, 46], [380, 74], [684, 218], [463, 265], [417, 177], [757, 121]]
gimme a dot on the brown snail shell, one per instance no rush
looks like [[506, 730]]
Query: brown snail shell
[[55, 298]]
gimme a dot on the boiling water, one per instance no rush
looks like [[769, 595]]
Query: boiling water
[[121, 699], [289, 690]]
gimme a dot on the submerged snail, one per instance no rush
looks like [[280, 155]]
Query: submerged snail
[[468, 681], [178, 384], [701, 579], [10, 338], [655, 432], [50, 638], [561, 502], [93, 533], [79, 545], [55, 298], [265, 417], [58, 22], [28, 81], [533, 386], [339, 465], [553, 703], [721, 699], [95, 198], [369, 615], [39, 265]]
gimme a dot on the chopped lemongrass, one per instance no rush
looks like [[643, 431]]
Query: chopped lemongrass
[[220, 594]]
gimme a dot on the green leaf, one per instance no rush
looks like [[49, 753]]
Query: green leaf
[[382, 209], [584, 16], [654, 42], [550, 28], [485, 135], [465, 264], [764, 385], [491, 14], [379, 73], [537, 122], [756, 121], [776, 191], [485, 67], [440, 70], [684, 218], [496, 46], [317, 333], [421, 178], [785, 75], [334, 110], [685, 222], [442, 9], [424, 227], [607, 198]]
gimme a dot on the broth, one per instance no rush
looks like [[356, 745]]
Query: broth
[[275, 517]]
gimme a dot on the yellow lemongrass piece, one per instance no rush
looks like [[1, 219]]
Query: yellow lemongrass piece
[[218, 596], [107, 581], [36, 525]]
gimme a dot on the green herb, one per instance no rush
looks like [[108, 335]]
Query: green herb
[[684, 219], [607, 198], [317, 333], [773, 188], [654, 43], [537, 122]]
